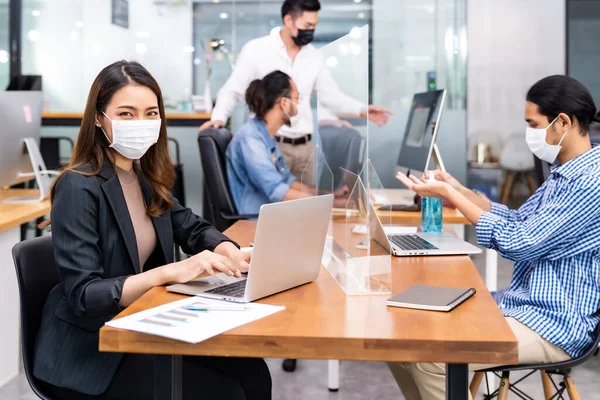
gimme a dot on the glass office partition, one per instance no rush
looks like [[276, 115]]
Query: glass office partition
[[418, 46], [4, 45], [68, 42], [233, 23], [355, 255]]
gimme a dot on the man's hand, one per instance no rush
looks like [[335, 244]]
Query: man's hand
[[338, 123], [425, 188], [379, 115], [212, 124]]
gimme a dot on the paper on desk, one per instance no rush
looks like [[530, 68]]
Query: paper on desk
[[389, 230], [173, 321]]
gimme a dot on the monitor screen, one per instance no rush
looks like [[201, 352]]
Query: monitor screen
[[421, 127]]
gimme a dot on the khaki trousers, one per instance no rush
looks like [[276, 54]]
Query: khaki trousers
[[427, 381], [299, 159]]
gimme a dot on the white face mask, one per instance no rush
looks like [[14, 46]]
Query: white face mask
[[132, 139], [289, 116], [536, 140]]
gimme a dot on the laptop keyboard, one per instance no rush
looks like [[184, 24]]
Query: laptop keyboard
[[411, 242], [236, 289]]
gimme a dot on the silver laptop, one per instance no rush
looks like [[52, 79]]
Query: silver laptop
[[408, 244], [288, 246]]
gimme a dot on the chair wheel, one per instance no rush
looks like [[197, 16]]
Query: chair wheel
[[289, 365]]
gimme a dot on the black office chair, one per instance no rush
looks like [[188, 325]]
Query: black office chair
[[221, 209], [178, 189], [37, 274], [552, 390], [342, 148]]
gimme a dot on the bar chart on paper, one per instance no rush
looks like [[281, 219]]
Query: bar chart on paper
[[194, 319]]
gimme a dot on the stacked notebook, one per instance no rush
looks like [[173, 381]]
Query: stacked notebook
[[434, 298]]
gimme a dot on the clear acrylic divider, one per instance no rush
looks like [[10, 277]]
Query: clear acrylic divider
[[317, 178], [355, 254]]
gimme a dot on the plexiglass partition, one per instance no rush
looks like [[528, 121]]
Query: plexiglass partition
[[356, 253]]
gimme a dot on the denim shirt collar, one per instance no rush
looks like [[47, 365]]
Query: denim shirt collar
[[262, 128]]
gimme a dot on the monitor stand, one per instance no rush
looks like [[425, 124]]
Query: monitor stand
[[437, 158], [41, 174]]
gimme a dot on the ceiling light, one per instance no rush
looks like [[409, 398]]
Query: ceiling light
[[3, 56], [141, 48]]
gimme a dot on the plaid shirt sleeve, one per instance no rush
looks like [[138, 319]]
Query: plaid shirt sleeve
[[545, 234]]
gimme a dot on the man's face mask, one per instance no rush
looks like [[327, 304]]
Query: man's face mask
[[292, 110], [536, 140], [304, 37]]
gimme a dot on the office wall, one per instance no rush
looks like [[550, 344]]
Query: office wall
[[512, 44]]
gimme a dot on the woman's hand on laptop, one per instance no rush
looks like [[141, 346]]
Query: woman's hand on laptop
[[240, 259], [199, 265]]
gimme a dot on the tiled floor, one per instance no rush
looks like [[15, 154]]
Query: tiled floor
[[365, 381]]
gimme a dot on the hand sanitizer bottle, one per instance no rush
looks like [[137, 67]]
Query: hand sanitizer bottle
[[431, 212]]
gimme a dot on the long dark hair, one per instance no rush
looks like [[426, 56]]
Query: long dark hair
[[557, 94], [263, 94], [91, 143]]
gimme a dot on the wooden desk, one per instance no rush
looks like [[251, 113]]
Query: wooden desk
[[74, 119], [321, 322], [451, 216], [14, 215]]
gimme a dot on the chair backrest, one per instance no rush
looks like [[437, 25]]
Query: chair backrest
[[341, 147], [37, 274], [516, 155], [213, 144]]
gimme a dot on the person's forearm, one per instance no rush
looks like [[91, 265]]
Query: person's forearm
[[136, 285], [476, 199], [468, 208], [294, 194], [306, 189]]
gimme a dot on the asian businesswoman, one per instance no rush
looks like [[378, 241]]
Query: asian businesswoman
[[114, 223]]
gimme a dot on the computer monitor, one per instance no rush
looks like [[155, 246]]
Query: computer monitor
[[418, 145], [20, 118], [25, 82]]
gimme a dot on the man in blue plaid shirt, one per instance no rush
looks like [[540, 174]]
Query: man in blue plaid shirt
[[553, 301]]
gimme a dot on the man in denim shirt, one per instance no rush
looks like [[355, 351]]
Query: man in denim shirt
[[255, 167]]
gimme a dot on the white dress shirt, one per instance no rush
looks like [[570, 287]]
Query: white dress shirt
[[267, 54]]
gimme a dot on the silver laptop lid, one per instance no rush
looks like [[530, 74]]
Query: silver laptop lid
[[288, 245]]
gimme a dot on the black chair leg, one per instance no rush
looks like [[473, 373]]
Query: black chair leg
[[289, 365]]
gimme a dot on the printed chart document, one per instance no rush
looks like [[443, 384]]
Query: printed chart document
[[194, 319]]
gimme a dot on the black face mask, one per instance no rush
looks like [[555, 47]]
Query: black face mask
[[304, 37]]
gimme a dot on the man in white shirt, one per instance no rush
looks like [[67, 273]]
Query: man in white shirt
[[289, 50]]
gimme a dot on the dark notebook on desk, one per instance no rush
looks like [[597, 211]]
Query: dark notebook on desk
[[434, 298]]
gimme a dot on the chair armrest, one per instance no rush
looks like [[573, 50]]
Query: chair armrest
[[32, 174], [236, 217]]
